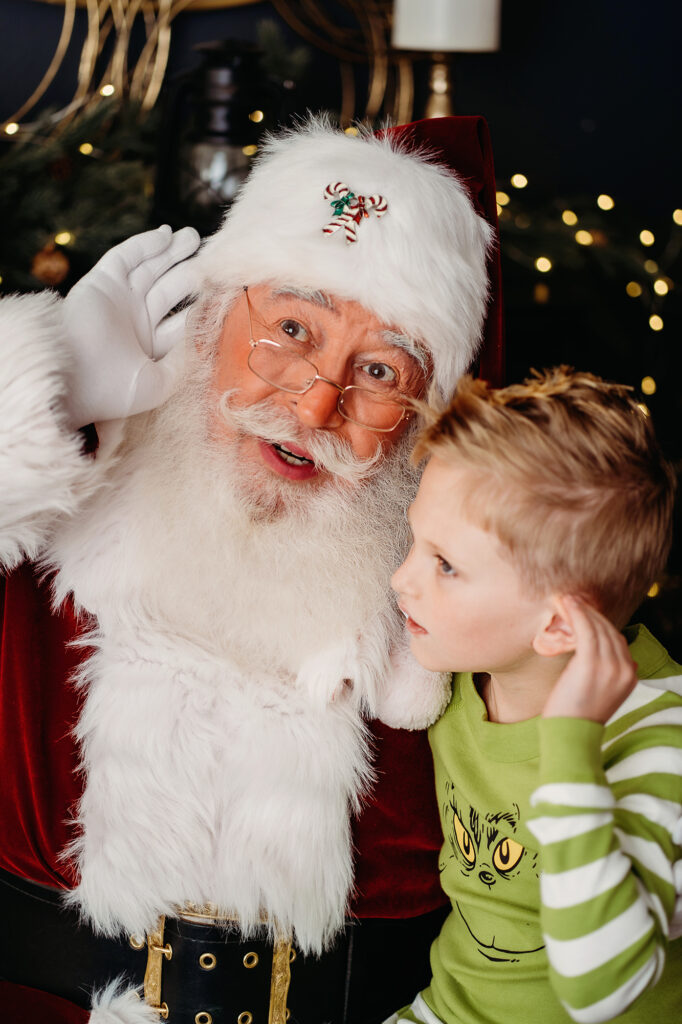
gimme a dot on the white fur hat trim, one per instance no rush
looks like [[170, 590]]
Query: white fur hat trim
[[421, 268]]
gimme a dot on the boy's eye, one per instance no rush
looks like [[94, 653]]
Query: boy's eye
[[445, 568]]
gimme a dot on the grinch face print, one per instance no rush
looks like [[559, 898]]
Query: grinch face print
[[485, 859]]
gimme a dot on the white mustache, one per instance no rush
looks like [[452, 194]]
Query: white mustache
[[277, 426]]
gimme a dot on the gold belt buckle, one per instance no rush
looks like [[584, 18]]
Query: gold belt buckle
[[280, 979], [156, 951], [282, 957]]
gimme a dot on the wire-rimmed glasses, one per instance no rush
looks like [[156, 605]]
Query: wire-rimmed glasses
[[288, 370]]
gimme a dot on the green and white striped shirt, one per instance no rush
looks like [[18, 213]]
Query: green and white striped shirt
[[562, 859]]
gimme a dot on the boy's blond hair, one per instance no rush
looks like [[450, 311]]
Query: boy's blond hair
[[567, 472]]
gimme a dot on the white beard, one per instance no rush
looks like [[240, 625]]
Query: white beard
[[246, 567], [240, 632]]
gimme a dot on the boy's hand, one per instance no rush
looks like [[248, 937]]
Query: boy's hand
[[601, 673]]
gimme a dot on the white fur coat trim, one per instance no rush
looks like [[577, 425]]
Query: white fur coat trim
[[210, 786], [411, 697], [116, 1005], [43, 474]]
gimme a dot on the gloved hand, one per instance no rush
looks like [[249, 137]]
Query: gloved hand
[[126, 351]]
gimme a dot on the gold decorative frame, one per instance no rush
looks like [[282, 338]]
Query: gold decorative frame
[[390, 86], [200, 5]]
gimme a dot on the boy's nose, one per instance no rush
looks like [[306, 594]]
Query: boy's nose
[[399, 579]]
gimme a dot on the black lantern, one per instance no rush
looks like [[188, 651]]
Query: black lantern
[[213, 119]]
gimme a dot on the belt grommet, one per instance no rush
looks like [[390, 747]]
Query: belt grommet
[[203, 1018], [292, 955], [245, 1018], [250, 960], [207, 961], [136, 942], [287, 1013]]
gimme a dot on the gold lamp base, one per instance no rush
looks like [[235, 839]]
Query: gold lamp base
[[441, 94]]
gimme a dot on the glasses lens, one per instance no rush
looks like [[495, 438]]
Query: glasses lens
[[280, 367], [368, 409], [288, 371]]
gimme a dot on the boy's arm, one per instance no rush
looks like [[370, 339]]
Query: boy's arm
[[607, 814]]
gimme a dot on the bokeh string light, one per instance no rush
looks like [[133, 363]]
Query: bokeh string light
[[587, 236]]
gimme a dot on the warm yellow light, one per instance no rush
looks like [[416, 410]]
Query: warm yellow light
[[522, 221], [634, 289], [653, 590], [655, 322], [569, 217], [543, 264], [85, 148], [256, 116], [519, 180], [107, 90], [605, 202], [648, 386], [651, 266], [584, 238], [249, 150], [12, 128], [677, 216], [502, 198], [63, 237], [661, 286], [0, 278], [647, 237], [351, 130], [644, 409], [541, 293]]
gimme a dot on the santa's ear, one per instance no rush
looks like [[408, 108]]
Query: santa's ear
[[555, 634]]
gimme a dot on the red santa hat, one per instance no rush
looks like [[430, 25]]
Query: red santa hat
[[401, 222]]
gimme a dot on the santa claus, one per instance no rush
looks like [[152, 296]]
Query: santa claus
[[221, 683]]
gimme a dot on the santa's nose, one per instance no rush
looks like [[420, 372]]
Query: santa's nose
[[318, 407]]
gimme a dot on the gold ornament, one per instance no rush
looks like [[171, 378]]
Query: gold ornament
[[50, 265]]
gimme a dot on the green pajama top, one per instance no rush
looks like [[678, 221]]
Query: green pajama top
[[562, 859]]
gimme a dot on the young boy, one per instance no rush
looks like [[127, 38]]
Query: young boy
[[542, 519]]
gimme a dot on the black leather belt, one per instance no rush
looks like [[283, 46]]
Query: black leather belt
[[203, 971], [206, 972]]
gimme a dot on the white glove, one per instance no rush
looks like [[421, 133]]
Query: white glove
[[125, 357]]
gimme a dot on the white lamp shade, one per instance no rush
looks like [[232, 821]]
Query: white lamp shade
[[446, 25]]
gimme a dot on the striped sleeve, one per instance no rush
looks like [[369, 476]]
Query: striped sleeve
[[608, 818]]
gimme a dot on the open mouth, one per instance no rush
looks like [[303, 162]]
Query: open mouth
[[288, 460], [410, 623], [291, 457]]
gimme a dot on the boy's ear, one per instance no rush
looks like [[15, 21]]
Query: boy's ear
[[555, 635]]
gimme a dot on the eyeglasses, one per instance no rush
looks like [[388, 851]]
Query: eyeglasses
[[289, 371]]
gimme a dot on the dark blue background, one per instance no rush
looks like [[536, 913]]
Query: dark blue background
[[582, 97]]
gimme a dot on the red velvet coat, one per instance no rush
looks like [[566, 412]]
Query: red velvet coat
[[397, 838]]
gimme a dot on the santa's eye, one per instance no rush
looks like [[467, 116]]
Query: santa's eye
[[464, 841], [507, 854], [379, 373], [293, 330]]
